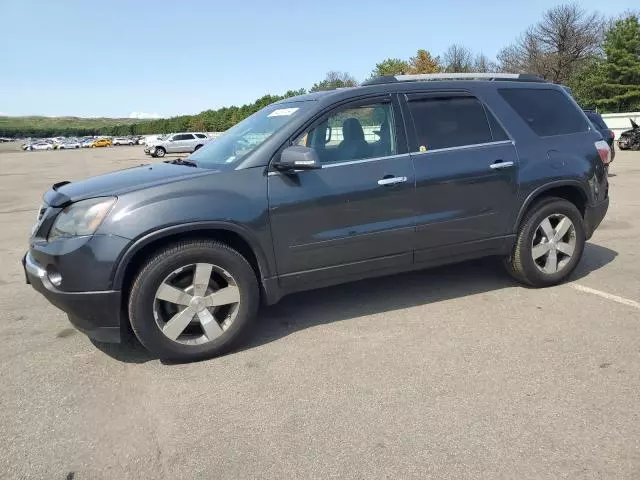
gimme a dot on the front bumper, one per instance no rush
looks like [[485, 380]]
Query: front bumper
[[594, 215], [97, 314]]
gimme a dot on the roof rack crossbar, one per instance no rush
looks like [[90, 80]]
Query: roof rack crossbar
[[521, 77]]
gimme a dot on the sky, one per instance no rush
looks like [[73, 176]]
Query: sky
[[142, 58]]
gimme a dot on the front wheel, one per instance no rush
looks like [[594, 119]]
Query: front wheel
[[193, 300], [549, 244], [160, 152]]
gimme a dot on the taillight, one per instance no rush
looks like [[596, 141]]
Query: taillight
[[604, 151]]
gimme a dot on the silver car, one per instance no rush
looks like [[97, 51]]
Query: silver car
[[176, 143]]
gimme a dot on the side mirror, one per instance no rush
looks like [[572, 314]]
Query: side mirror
[[298, 157]]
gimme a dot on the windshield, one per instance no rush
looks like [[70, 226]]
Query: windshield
[[237, 142]]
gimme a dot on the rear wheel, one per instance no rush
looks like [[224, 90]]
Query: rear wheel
[[549, 244], [198, 147], [193, 300]]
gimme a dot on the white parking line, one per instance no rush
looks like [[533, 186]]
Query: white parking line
[[608, 296]]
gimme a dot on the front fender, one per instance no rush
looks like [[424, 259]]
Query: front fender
[[234, 201], [204, 226]]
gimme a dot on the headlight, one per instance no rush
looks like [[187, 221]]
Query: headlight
[[81, 218]]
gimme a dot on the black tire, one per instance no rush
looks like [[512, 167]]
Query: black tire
[[152, 274], [521, 265], [159, 152], [198, 147]]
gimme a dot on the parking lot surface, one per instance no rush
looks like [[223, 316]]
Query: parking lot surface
[[456, 372]]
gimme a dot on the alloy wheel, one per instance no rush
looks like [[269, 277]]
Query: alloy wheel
[[554, 243], [196, 304]]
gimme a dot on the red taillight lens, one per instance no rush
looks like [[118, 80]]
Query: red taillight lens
[[604, 151]]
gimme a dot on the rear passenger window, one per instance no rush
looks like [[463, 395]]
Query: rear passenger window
[[548, 112], [201, 135], [183, 136], [449, 122], [497, 131]]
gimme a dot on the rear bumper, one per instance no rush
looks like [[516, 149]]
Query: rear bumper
[[97, 314], [593, 216]]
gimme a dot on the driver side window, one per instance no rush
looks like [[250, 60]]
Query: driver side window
[[353, 133]]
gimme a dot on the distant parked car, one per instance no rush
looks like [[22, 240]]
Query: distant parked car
[[630, 139], [86, 143], [101, 142], [148, 139], [41, 146], [69, 144], [606, 132], [176, 143], [123, 141]]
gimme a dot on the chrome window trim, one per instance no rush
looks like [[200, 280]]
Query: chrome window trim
[[376, 159], [363, 160], [464, 147], [350, 162]]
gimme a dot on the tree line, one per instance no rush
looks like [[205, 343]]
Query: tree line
[[597, 57]]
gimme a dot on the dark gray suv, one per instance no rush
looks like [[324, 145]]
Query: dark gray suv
[[401, 173]]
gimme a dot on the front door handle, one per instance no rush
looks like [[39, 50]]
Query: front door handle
[[391, 181], [499, 164]]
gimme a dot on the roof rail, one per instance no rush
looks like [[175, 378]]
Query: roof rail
[[515, 77]]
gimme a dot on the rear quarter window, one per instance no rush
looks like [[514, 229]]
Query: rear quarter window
[[548, 112], [597, 120]]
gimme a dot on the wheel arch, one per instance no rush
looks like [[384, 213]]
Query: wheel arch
[[570, 190], [232, 235]]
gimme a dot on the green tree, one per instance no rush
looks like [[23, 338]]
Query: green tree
[[586, 83], [335, 80], [391, 66], [621, 89], [424, 62]]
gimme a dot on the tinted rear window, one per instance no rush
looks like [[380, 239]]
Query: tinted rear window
[[496, 129], [449, 122], [548, 112]]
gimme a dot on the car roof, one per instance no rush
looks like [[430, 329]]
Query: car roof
[[331, 96]]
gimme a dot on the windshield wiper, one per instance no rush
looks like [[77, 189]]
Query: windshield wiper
[[182, 161]]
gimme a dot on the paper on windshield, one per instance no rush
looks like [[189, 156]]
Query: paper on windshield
[[283, 112]]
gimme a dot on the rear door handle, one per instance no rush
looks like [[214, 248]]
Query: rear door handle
[[499, 164], [391, 181]]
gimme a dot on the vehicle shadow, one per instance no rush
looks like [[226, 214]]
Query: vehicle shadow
[[130, 350], [594, 258], [385, 294]]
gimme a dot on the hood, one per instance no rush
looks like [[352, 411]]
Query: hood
[[117, 183]]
